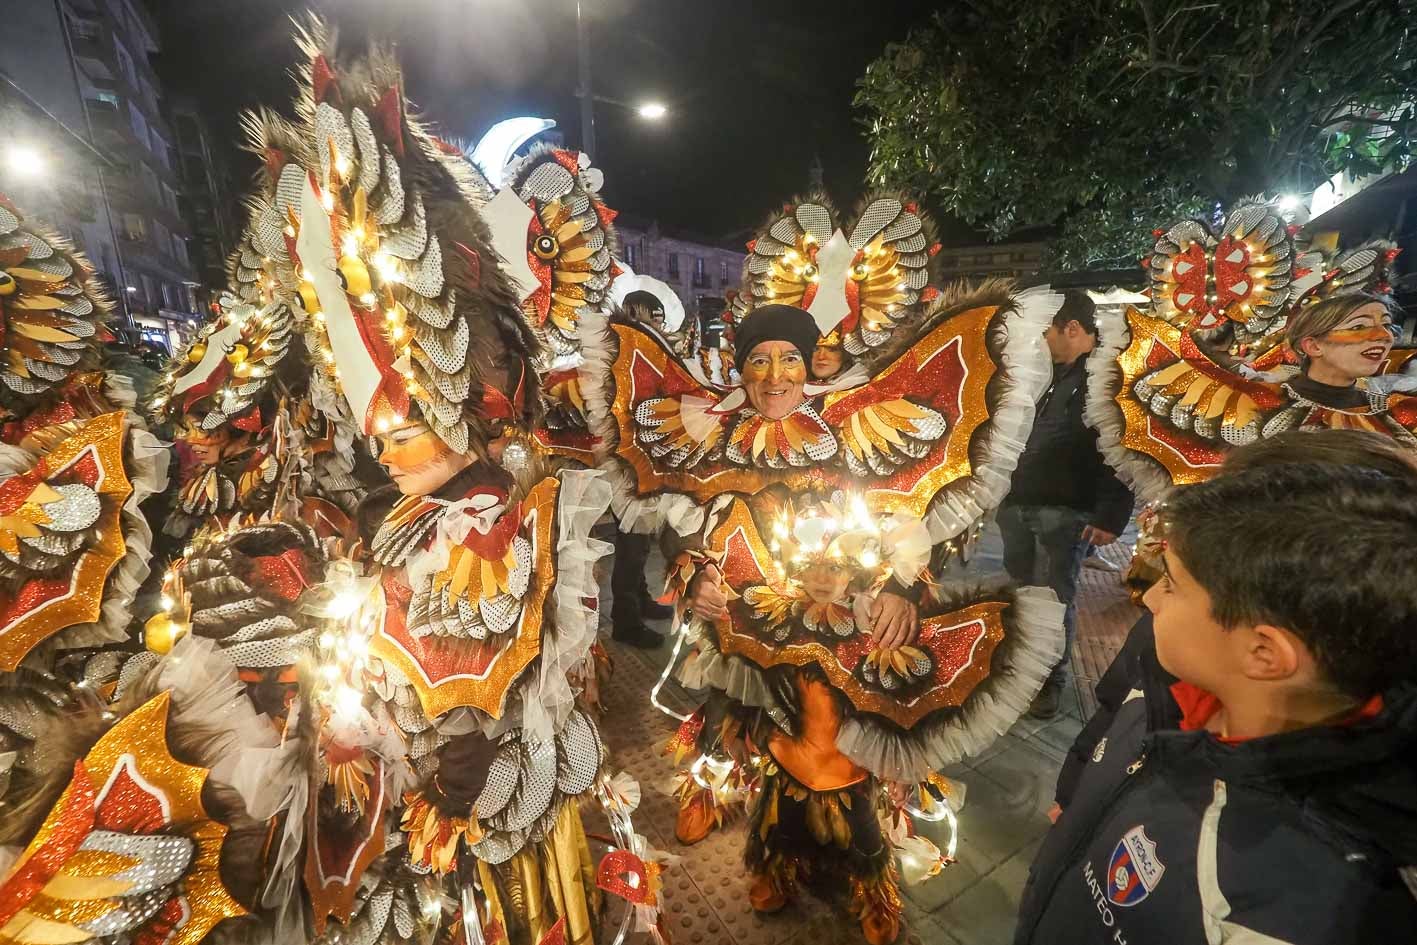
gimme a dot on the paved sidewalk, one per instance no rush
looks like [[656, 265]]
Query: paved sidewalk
[[1009, 790]]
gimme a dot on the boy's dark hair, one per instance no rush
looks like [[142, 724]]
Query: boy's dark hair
[[1323, 551], [1077, 307], [1332, 446]]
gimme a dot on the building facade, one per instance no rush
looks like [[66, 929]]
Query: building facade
[[83, 96], [204, 199], [698, 272], [991, 260]]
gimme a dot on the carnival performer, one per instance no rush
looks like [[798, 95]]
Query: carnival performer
[[803, 532], [1178, 379], [473, 611]]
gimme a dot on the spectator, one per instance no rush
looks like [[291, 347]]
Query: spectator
[[1269, 793], [630, 600], [1063, 498]]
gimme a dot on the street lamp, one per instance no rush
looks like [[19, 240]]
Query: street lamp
[[652, 111], [25, 161]]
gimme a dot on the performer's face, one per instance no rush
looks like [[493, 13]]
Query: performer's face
[[419, 461], [773, 376], [827, 361], [1355, 348], [825, 582], [209, 448]]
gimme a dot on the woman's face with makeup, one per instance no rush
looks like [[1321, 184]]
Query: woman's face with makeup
[[419, 461], [1354, 348]]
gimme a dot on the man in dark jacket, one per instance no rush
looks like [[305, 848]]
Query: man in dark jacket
[[1064, 498], [1258, 782]]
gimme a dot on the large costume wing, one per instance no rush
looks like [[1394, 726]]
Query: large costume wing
[[61, 533], [937, 433], [973, 670]]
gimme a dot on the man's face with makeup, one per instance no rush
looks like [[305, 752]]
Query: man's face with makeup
[[773, 375], [1356, 347], [417, 460]]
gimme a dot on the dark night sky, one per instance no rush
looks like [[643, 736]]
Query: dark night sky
[[756, 89]]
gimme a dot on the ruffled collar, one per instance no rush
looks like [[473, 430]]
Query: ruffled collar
[[801, 438]]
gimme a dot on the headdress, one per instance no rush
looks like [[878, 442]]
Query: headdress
[[374, 225], [552, 232], [863, 283], [775, 322], [1250, 273], [51, 310], [630, 282]]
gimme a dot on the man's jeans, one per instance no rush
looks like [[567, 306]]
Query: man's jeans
[[1047, 538]]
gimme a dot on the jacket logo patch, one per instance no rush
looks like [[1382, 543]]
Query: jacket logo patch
[[1135, 869]]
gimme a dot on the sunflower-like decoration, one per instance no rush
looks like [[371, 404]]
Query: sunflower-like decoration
[[862, 283]]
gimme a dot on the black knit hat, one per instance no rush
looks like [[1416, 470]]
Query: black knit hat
[[775, 323]]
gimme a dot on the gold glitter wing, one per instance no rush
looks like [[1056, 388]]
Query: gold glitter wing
[[879, 438], [50, 308], [60, 535], [128, 850]]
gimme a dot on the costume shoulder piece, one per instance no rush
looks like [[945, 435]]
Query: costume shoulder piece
[[1198, 367], [859, 282], [936, 432]]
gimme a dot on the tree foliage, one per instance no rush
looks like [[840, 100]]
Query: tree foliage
[[1111, 117]]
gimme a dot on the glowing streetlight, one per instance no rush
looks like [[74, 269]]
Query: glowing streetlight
[[25, 161], [652, 111]]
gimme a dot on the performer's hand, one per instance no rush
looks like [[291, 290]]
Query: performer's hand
[[706, 597], [894, 621], [1096, 536]]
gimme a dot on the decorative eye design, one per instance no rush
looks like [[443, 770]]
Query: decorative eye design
[[545, 247], [238, 353], [860, 271], [8, 285], [810, 272], [309, 299], [354, 276], [197, 352]]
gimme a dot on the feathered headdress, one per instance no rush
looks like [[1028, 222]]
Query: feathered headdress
[[50, 312], [860, 283], [1246, 277], [552, 232], [372, 225]]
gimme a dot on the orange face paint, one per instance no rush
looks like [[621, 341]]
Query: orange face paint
[[1358, 335], [776, 365], [410, 448]]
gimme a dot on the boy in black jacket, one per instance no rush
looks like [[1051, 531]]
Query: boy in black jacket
[[1270, 794]]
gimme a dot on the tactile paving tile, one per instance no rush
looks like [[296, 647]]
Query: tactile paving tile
[[706, 893]]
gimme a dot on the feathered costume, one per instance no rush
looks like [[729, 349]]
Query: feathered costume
[[866, 487], [460, 639], [1180, 377], [242, 390]]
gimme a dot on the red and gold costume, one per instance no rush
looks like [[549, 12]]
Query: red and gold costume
[[858, 491], [1201, 366]]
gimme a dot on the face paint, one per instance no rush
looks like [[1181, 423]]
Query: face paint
[[1356, 335], [827, 360], [409, 447], [773, 376]]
